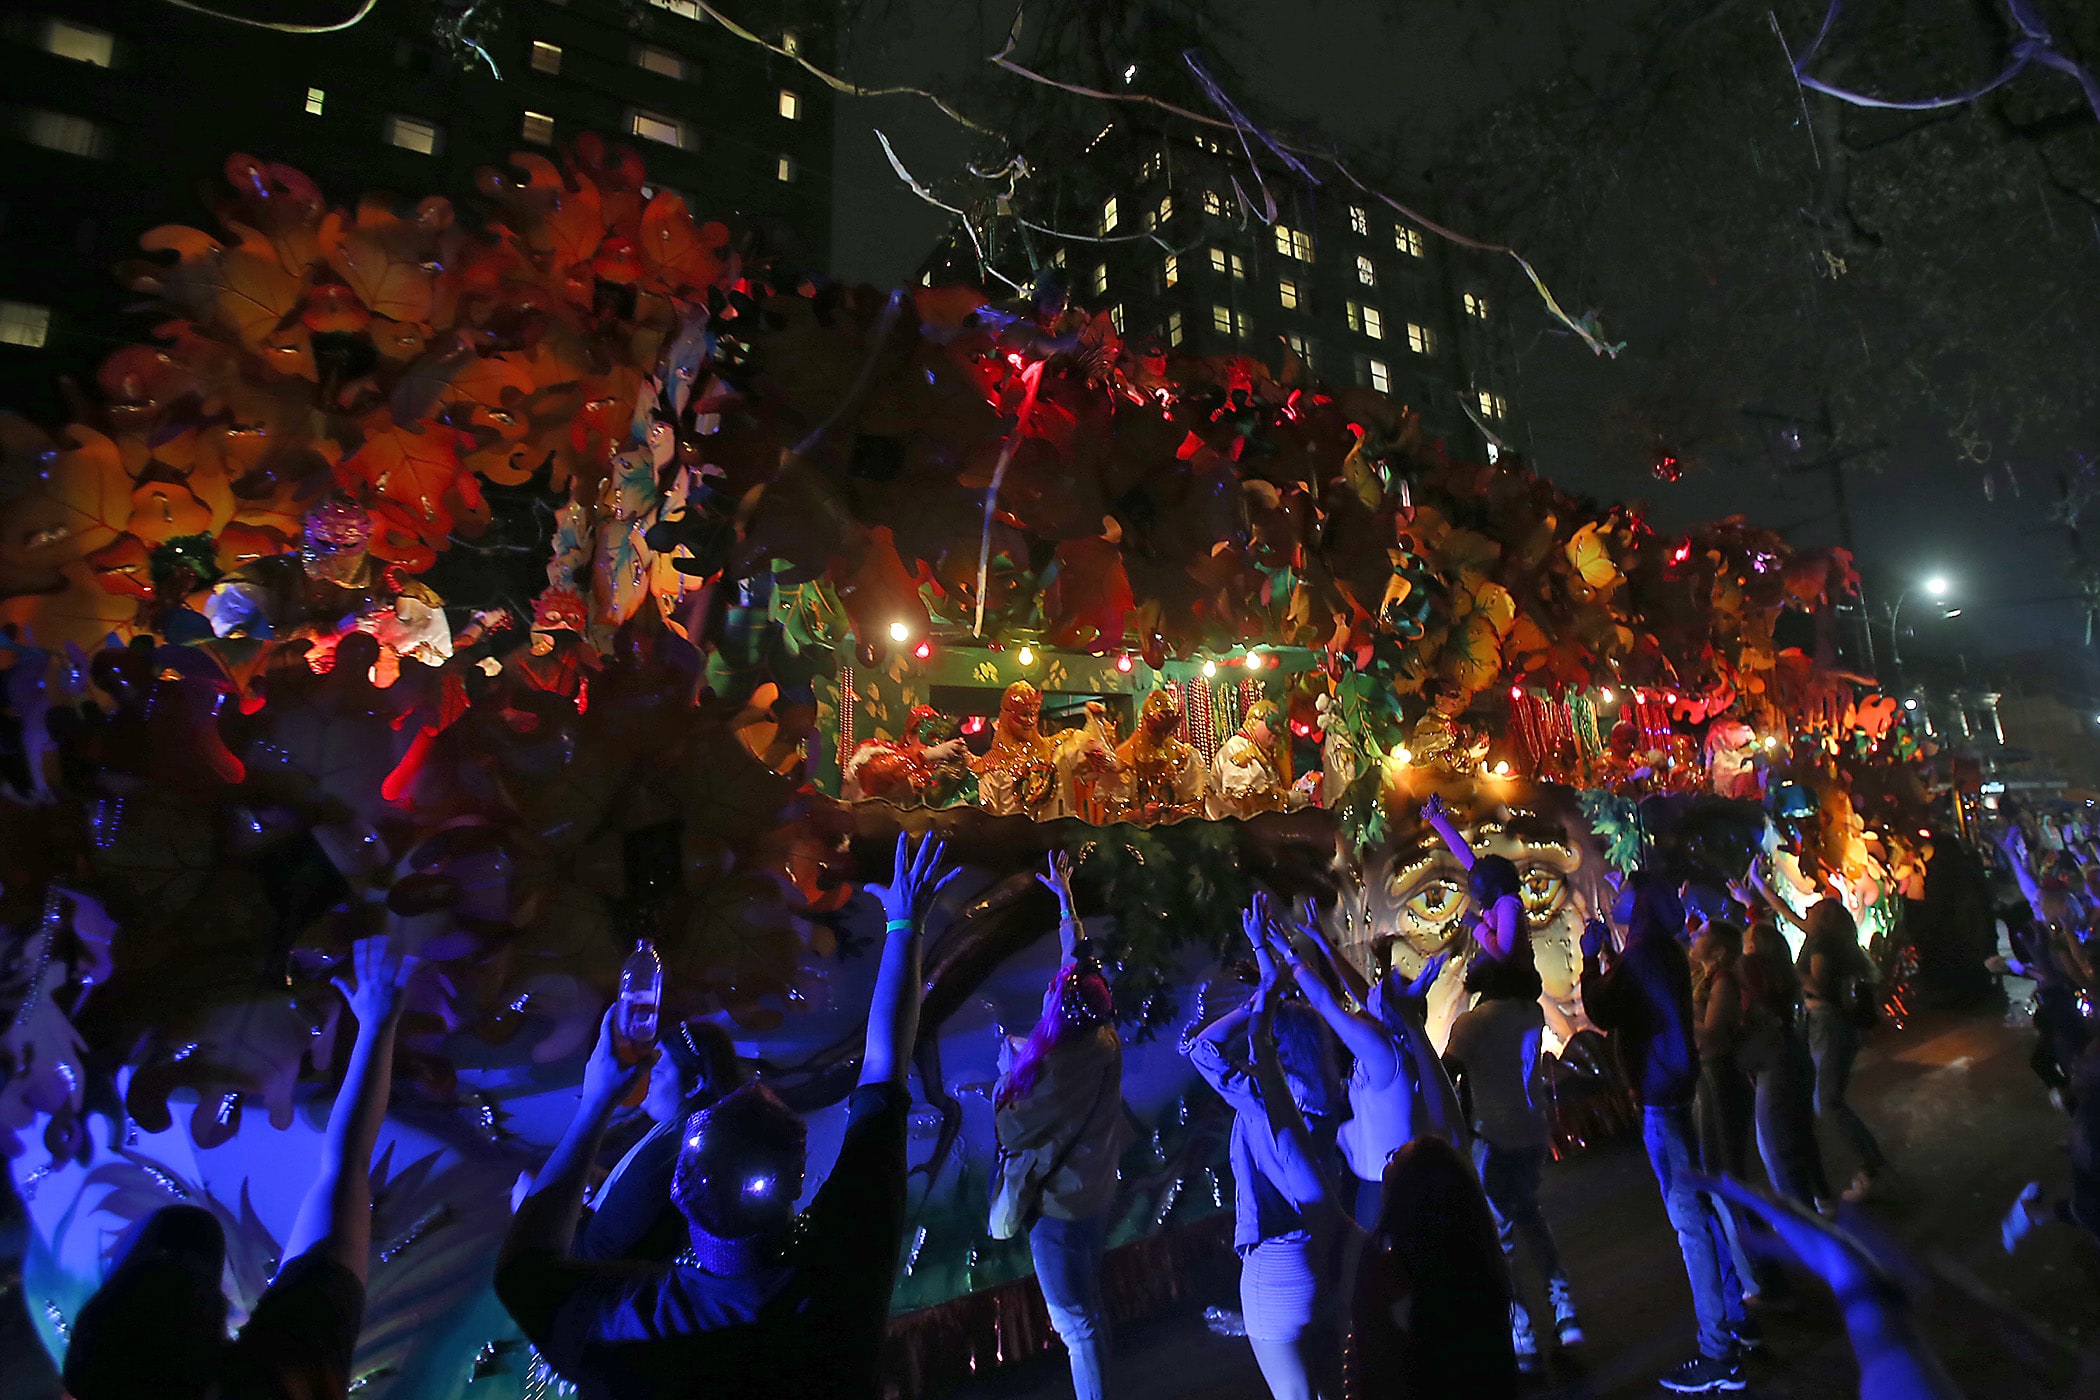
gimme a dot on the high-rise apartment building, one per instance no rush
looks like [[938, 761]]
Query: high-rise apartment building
[[1151, 226], [117, 116]]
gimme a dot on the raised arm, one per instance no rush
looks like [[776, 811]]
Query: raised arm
[[1058, 880], [1439, 816], [1895, 1360], [1435, 1100], [336, 1214], [893, 1010], [1754, 882], [2016, 857], [1304, 1182], [547, 1217], [1346, 976], [1365, 1037]]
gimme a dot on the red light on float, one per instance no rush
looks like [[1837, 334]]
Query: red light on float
[[924, 651], [1516, 692], [1124, 663], [973, 725]]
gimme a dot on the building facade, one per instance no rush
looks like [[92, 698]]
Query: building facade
[[1154, 229], [120, 117]]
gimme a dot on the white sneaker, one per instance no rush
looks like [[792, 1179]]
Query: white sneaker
[[1523, 1339], [1566, 1328]]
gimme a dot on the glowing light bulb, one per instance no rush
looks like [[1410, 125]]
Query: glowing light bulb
[[900, 631], [1124, 663], [1254, 661], [1400, 753], [1910, 704], [923, 650], [1501, 767], [1608, 697], [1210, 668], [1026, 656], [1516, 692], [1770, 742]]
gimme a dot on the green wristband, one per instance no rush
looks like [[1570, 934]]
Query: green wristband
[[899, 925]]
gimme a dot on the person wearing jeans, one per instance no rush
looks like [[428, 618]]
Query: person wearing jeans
[[1643, 999], [1058, 1111], [1496, 1047]]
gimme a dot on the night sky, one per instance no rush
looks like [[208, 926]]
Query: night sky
[[1412, 78]]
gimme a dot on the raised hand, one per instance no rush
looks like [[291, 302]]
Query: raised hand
[[1434, 811], [377, 989], [1254, 923], [1057, 878], [1595, 935], [1841, 1259], [916, 879], [605, 1078], [1417, 991]]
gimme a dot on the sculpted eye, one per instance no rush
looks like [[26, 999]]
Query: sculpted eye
[[1437, 901], [1545, 889]]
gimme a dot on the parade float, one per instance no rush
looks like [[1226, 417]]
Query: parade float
[[550, 579]]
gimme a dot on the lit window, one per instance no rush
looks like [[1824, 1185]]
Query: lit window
[[1100, 279], [1057, 259], [1108, 215], [1381, 377], [1407, 240], [1239, 269], [316, 99], [1374, 324], [926, 280], [1151, 166], [1476, 306], [23, 324], [412, 134], [1221, 319], [1294, 243], [1365, 272], [651, 127], [79, 42], [1115, 317], [1419, 339], [784, 170], [790, 43], [1170, 270], [1211, 203], [1173, 328], [546, 57], [661, 62], [1287, 293], [1359, 221], [1353, 313], [1300, 347], [538, 129], [65, 133], [1166, 207], [1217, 260], [689, 9], [1491, 405], [791, 105]]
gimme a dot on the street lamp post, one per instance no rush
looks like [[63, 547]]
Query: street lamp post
[[1937, 587]]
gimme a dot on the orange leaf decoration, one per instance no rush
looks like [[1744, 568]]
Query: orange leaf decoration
[[82, 503], [161, 510], [678, 255], [410, 471], [124, 567], [1875, 715], [390, 282], [243, 290]]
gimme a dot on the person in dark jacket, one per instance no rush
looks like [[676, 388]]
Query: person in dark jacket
[[633, 1216], [1642, 998]]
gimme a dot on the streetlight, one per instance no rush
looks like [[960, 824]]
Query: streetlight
[[1938, 587]]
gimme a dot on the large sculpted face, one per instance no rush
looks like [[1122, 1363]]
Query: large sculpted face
[[1411, 901]]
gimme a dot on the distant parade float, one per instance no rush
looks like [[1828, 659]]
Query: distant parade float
[[559, 580]]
